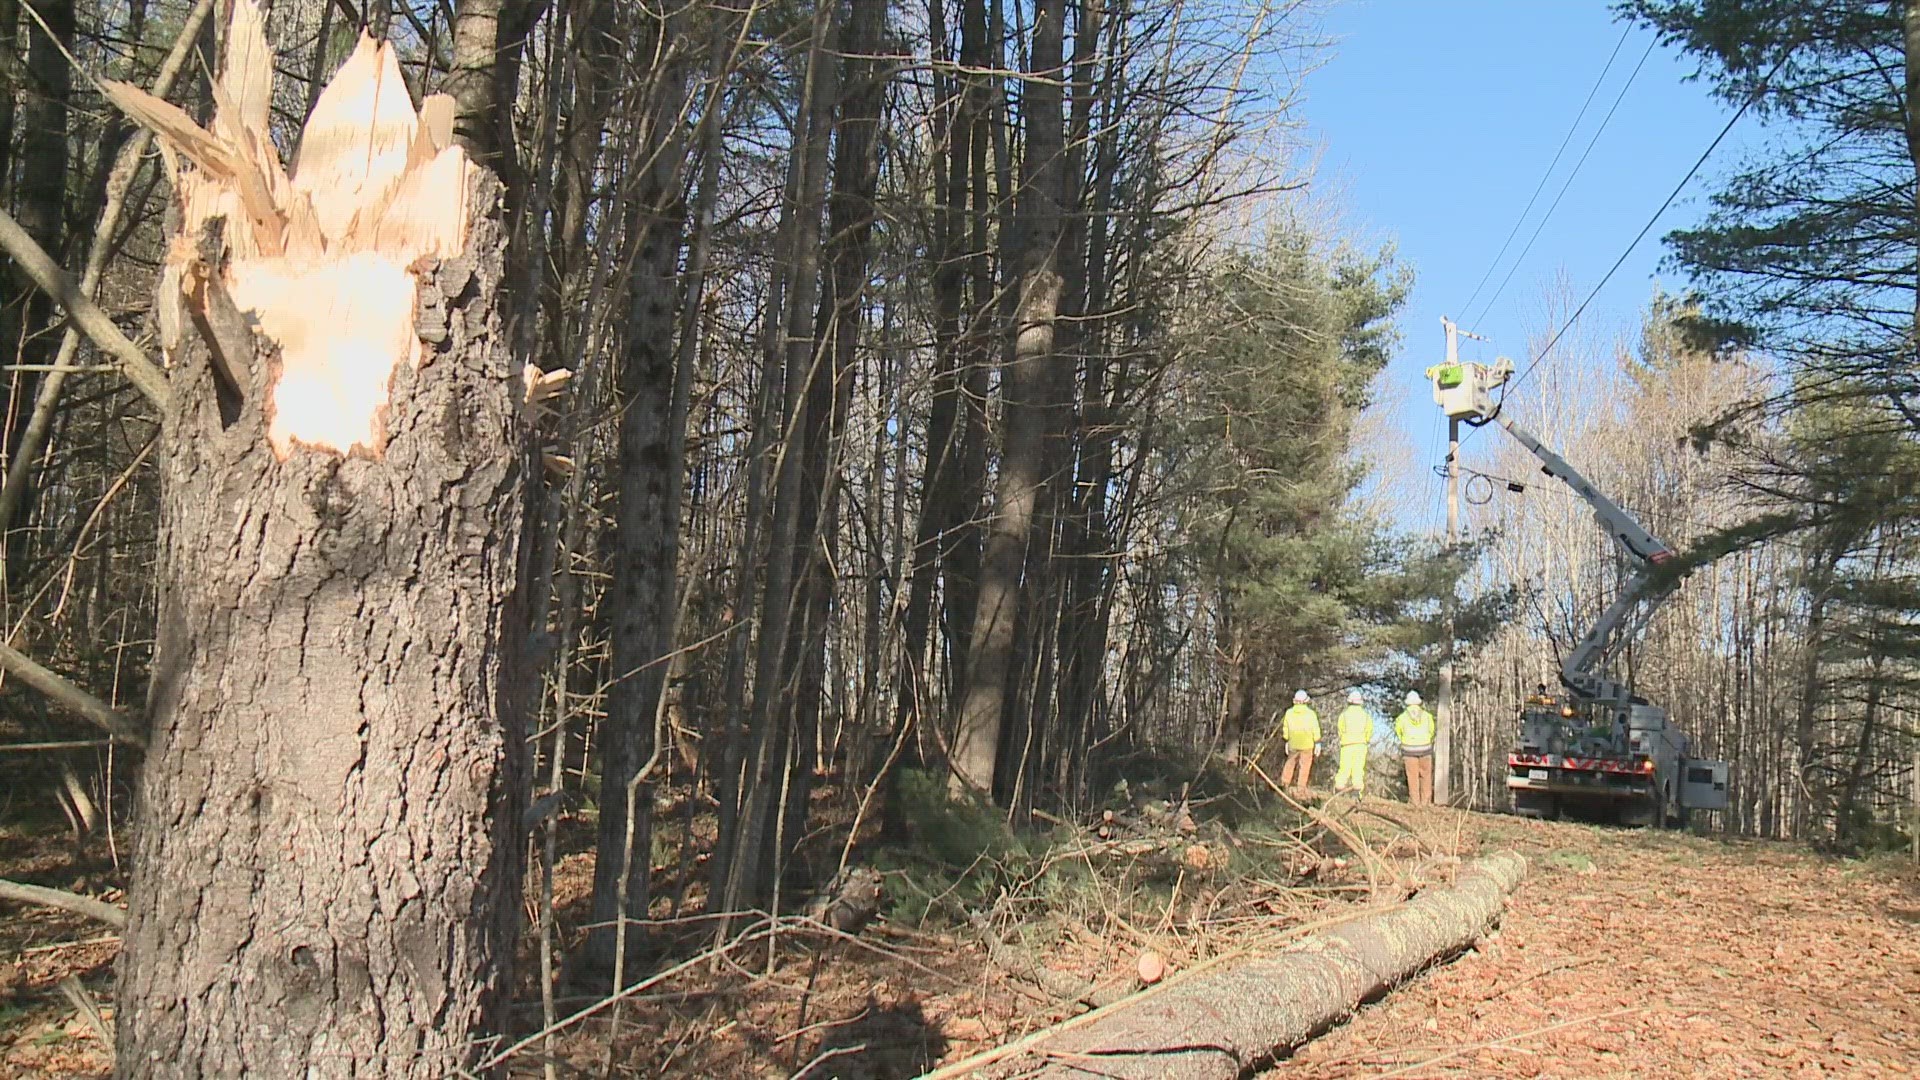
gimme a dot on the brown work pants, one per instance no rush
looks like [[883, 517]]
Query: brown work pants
[[1420, 780], [1298, 769]]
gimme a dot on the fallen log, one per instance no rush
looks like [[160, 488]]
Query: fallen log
[[20, 892], [1228, 1022]]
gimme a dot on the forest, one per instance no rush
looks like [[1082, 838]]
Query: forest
[[497, 481]]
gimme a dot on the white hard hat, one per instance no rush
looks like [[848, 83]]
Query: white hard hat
[[1300, 697], [1413, 697], [1354, 698]]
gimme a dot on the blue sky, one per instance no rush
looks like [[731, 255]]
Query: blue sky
[[1434, 120]]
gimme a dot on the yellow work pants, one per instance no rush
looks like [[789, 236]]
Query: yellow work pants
[[1353, 768]]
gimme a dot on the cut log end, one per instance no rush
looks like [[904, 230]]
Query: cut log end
[[322, 261]]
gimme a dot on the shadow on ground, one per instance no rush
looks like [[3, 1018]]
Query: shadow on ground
[[893, 1042]]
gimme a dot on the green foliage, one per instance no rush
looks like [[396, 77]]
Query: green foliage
[[1578, 862], [1309, 589], [961, 852], [956, 833], [1808, 251]]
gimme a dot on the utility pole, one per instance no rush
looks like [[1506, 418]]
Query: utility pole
[[1443, 701]]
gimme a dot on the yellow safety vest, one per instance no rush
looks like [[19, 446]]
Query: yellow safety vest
[[1356, 726], [1414, 728], [1301, 726]]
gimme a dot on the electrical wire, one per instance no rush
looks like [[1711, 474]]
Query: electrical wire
[[1568, 183], [1490, 482], [1548, 174], [1758, 92]]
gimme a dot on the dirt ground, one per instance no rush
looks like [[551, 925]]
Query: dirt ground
[[1654, 955], [1622, 954]]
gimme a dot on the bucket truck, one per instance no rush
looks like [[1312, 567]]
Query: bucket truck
[[1596, 748]]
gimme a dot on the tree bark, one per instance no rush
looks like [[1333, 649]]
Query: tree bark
[[328, 859], [646, 541], [1222, 1025], [327, 869], [1026, 382]]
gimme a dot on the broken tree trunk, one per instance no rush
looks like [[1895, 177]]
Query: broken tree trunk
[[327, 866], [1224, 1023]]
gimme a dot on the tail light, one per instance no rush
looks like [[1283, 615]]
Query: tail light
[[1646, 765]]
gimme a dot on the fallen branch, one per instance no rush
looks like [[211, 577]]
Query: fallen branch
[[1235, 1019], [87, 315], [82, 1001], [1347, 837], [20, 892], [63, 744], [65, 693]]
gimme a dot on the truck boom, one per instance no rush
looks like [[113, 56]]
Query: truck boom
[[1607, 746], [1646, 588]]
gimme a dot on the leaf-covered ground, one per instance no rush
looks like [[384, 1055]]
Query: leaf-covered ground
[[1651, 955], [1623, 954]]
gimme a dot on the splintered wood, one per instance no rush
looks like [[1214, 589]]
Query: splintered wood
[[321, 260]]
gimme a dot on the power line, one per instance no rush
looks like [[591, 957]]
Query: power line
[[1547, 175], [1758, 92], [1493, 482], [1562, 193]]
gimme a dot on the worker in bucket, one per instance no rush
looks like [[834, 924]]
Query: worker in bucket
[[1300, 726], [1355, 728], [1414, 727]]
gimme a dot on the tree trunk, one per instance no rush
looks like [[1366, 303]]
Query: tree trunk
[[646, 546], [327, 867], [41, 199], [939, 500], [489, 39], [771, 739], [828, 394], [1026, 383], [1910, 39]]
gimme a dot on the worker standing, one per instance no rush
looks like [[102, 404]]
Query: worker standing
[[1300, 726], [1356, 732], [1414, 727]]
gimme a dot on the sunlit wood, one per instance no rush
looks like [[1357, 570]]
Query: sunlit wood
[[321, 257]]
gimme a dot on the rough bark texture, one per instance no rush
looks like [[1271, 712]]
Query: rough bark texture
[[646, 550], [1026, 394], [327, 867], [1222, 1025]]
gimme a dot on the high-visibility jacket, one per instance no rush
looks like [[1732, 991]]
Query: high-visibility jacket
[[1414, 728], [1356, 726], [1301, 727]]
